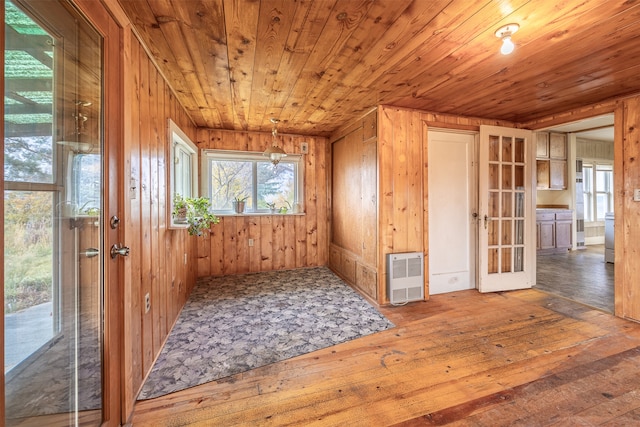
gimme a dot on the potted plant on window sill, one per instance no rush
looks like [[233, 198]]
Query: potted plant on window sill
[[197, 215], [238, 204]]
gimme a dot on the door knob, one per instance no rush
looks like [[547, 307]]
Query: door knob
[[90, 252], [117, 249]]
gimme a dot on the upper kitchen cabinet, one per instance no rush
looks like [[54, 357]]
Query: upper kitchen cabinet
[[551, 160]]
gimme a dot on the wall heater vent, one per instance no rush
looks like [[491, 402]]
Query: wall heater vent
[[405, 277]]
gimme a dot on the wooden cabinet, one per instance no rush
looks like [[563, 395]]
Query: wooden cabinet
[[564, 228], [542, 145], [554, 230], [551, 160], [354, 214], [545, 227]]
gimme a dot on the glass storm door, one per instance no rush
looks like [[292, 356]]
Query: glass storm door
[[506, 217], [53, 216]]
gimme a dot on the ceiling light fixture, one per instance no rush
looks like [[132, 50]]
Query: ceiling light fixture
[[275, 153], [505, 33]]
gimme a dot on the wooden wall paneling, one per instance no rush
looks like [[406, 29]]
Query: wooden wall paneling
[[229, 246], [311, 204], [416, 192], [280, 241], [386, 118], [400, 183], [255, 250], [242, 244], [301, 240], [629, 228], [154, 141], [322, 194], [369, 204], [156, 261], [132, 313], [425, 205], [213, 248], [289, 232], [145, 200], [278, 248], [347, 192], [266, 243], [167, 307], [619, 159]]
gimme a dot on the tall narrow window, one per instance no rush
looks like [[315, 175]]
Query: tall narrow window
[[183, 168], [587, 184], [604, 191], [597, 190]]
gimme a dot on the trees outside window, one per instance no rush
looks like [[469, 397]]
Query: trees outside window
[[597, 181], [250, 176]]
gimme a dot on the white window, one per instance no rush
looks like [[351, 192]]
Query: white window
[[232, 175], [597, 181], [183, 166]]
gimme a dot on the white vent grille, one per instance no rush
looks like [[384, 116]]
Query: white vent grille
[[405, 277]]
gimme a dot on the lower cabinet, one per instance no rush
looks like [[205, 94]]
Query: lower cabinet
[[349, 266], [554, 230]]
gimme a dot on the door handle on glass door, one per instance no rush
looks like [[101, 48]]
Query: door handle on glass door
[[486, 221]]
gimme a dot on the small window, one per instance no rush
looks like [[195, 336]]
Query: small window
[[231, 175], [183, 167], [597, 190]]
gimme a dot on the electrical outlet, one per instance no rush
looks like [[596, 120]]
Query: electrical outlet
[[250, 242], [147, 302], [304, 147]]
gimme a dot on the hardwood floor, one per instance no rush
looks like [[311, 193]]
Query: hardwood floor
[[581, 276], [502, 359]]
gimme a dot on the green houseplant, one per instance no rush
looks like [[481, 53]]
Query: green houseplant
[[238, 203], [194, 211]]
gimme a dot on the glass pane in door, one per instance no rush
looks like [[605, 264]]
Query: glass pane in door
[[506, 205], [53, 203]]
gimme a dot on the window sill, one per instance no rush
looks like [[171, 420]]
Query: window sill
[[259, 214]]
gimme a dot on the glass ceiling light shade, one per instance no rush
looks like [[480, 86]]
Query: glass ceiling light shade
[[505, 33], [275, 153]]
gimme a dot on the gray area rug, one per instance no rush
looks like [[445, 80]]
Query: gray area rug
[[232, 324]]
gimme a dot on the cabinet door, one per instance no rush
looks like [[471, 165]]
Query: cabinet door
[[369, 202], [563, 234], [542, 145], [558, 146], [547, 235], [558, 174], [542, 174]]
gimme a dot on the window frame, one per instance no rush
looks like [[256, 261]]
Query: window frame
[[591, 197], [180, 143], [254, 157]]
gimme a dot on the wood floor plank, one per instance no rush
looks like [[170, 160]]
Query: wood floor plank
[[463, 357]]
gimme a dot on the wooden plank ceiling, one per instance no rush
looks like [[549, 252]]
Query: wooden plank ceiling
[[316, 64]]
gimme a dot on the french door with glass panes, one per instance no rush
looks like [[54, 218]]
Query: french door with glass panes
[[506, 252]]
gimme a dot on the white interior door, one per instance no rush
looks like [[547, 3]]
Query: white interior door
[[452, 203], [506, 251]]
